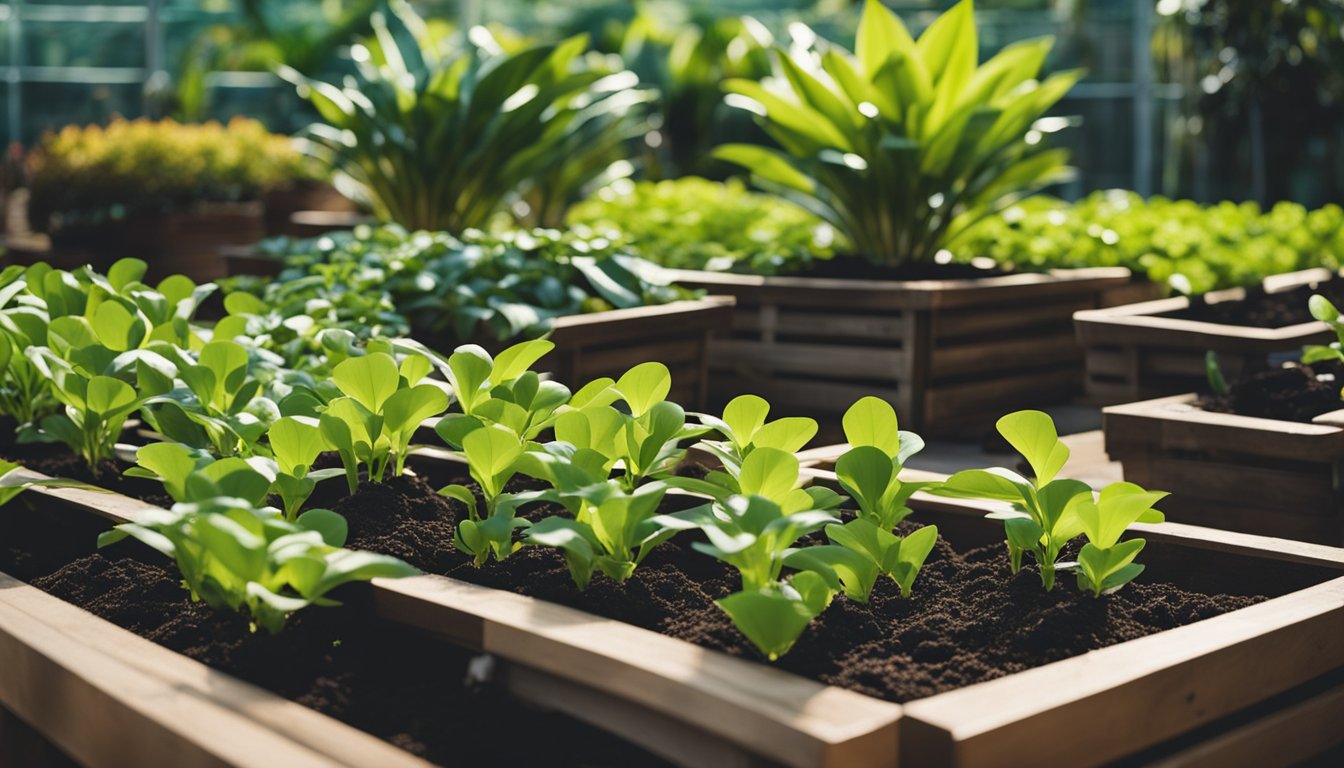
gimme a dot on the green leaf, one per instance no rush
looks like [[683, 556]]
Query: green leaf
[[772, 621], [296, 443], [330, 525], [769, 472], [865, 472], [1105, 569], [1032, 434], [872, 422], [469, 370], [644, 386], [107, 397], [370, 379], [517, 359], [572, 538]]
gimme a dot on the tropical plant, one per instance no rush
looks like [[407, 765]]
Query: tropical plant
[[442, 140], [693, 223], [904, 143]]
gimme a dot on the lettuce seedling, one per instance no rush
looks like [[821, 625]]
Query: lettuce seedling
[[296, 443], [1044, 516], [192, 475], [499, 389], [744, 428], [1105, 563], [612, 530], [493, 455], [381, 406], [236, 556], [756, 536], [869, 471], [220, 404]]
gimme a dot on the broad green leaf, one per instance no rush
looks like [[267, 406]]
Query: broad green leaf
[[517, 359], [772, 621], [872, 422], [769, 472], [644, 386], [370, 379], [1032, 434]]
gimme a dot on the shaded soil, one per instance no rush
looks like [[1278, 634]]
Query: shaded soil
[[859, 268], [1263, 310], [1293, 393], [393, 682], [968, 621]]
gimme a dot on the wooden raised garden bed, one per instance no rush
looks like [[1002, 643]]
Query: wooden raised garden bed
[[76, 687], [1207, 686], [1264, 476], [950, 355], [1146, 350], [186, 243]]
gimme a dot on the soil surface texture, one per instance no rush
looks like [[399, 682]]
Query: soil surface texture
[[1293, 393], [969, 619], [1263, 310], [405, 687]]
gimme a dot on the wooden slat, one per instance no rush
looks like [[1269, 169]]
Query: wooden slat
[[833, 360], [640, 323], [818, 324], [961, 402], [1286, 737], [1177, 423], [1006, 356], [785, 718], [1157, 686], [111, 698], [1015, 317]]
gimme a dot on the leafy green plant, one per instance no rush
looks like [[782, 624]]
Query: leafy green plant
[[381, 407], [1322, 309], [442, 140], [745, 428], [192, 475], [236, 556], [1185, 246], [455, 290], [1105, 563], [1049, 512], [905, 143], [756, 536], [693, 223], [221, 404], [1044, 518]]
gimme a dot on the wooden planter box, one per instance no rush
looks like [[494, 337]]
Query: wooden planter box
[[1138, 351], [284, 203], [1268, 676], [1263, 476], [73, 686], [188, 243], [950, 355]]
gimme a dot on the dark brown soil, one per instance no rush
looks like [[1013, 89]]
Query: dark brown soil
[[1263, 310], [1292, 393], [402, 686], [859, 268], [969, 619]]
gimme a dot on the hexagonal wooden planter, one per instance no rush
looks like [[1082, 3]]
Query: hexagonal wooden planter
[[1261, 680], [950, 355], [1140, 351]]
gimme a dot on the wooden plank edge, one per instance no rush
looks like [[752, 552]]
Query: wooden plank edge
[[978, 725], [769, 712], [90, 686]]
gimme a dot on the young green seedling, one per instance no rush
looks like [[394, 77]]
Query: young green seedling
[[744, 428], [869, 471], [499, 390], [493, 455], [296, 443], [612, 530], [1044, 516], [220, 405], [381, 406], [1105, 563], [1322, 309], [755, 536], [192, 475], [236, 556]]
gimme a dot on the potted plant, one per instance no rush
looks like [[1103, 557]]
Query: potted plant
[[901, 146], [167, 192], [1261, 454]]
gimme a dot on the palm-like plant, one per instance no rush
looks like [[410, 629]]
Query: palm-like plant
[[904, 143], [442, 141]]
